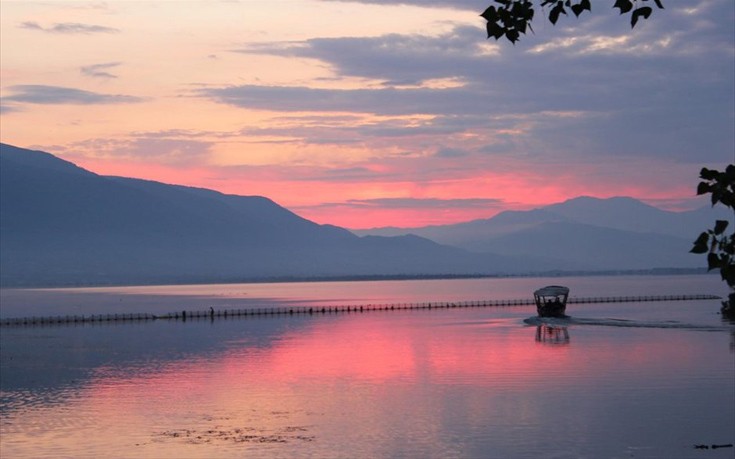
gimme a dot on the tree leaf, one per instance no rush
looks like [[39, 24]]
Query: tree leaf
[[713, 261], [720, 226], [580, 7], [623, 5], [644, 11], [701, 245], [555, 12], [703, 188], [708, 174], [512, 35], [494, 30], [699, 249], [490, 14], [520, 26]]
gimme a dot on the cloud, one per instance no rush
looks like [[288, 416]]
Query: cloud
[[388, 101], [182, 134], [601, 69], [411, 212], [55, 95], [707, 16], [347, 174], [677, 119], [156, 147], [99, 70], [663, 89], [6, 109], [351, 129], [422, 203], [418, 207], [398, 60], [603, 39], [445, 152], [69, 28], [453, 4]]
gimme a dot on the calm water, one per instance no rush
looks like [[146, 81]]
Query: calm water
[[617, 380]]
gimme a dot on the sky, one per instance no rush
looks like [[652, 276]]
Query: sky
[[375, 113]]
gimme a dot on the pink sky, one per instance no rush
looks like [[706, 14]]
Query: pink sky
[[366, 114]]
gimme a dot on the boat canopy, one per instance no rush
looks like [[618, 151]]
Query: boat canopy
[[552, 290]]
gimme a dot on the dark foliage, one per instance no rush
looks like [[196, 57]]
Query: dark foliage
[[511, 18], [716, 243]]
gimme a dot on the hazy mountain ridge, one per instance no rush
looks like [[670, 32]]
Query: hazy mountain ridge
[[588, 233], [629, 214], [591, 246], [60, 224]]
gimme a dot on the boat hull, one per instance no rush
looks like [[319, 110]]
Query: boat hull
[[550, 310]]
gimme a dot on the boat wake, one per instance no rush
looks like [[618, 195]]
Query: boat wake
[[610, 322]]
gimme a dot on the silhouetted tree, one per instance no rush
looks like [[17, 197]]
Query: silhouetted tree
[[511, 18], [716, 243]]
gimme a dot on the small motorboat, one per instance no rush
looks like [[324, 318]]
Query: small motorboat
[[551, 301]]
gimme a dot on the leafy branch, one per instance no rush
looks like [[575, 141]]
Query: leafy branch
[[511, 18], [716, 243]]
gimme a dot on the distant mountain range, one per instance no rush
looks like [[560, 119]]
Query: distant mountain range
[[63, 225], [582, 233]]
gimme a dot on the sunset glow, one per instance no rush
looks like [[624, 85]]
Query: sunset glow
[[368, 114]]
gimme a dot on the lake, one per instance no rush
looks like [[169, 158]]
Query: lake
[[616, 380]]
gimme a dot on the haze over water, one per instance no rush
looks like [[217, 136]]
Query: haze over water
[[471, 382]]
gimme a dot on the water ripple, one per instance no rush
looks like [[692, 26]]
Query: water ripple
[[626, 323]]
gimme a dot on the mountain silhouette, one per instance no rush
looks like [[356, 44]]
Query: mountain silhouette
[[64, 225], [588, 233]]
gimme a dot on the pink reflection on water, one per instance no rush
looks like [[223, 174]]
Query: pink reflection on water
[[380, 350], [354, 375]]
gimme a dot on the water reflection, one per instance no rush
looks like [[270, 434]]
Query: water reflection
[[552, 335], [730, 322], [446, 383]]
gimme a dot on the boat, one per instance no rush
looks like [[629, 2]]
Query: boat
[[551, 301]]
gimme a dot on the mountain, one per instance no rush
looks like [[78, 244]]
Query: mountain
[[63, 225], [629, 214], [588, 233], [592, 247]]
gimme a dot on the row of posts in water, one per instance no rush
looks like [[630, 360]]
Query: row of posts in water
[[211, 313]]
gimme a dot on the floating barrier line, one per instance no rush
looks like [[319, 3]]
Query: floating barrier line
[[212, 314]]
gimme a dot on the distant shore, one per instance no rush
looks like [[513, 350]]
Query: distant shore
[[167, 298], [349, 278]]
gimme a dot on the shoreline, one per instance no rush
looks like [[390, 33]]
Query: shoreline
[[361, 278], [159, 300]]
